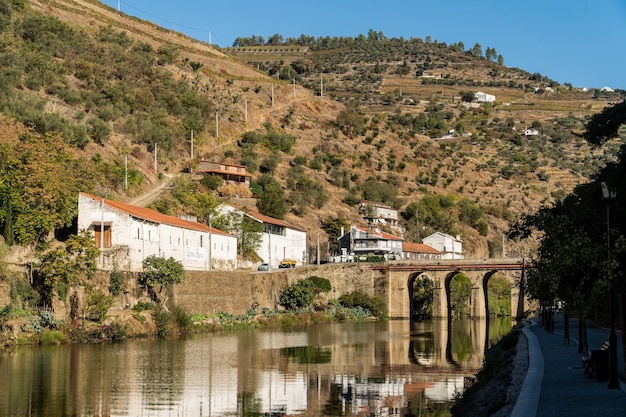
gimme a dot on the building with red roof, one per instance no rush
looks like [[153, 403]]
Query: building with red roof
[[128, 234]]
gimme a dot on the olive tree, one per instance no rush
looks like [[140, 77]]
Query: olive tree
[[158, 273]]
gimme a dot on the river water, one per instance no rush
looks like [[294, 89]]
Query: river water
[[389, 368]]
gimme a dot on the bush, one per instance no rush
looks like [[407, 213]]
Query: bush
[[297, 295], [142, 306], [98, 304], [162, 319], [52, 337], [375, 305], [116, 282], [181, 318], [320, 283]]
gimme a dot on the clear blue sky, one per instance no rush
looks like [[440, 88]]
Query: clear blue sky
[[582, 42]]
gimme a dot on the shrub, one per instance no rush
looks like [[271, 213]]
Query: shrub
[[300, 294], [320, 283], [98, 304], [52, 337], [116, 282], [181, 318], [142, 306], [375, 305], [162, 319]]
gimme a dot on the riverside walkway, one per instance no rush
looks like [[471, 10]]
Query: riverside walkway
[[555, 383]]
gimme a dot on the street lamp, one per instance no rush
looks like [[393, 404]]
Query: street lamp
[[609, 195]]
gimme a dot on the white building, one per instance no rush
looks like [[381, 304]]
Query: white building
[[128, 234], [370, 241], [381, 215], [279, 240], [484, 97], [449, 246]]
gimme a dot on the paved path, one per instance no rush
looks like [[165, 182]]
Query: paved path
[[555, 384]]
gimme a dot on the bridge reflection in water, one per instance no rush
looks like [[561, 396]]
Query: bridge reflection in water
[[380, 368]]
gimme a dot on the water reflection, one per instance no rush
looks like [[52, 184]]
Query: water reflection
[[386, 368]]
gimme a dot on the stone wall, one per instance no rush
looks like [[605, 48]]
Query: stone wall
[[238, 291]]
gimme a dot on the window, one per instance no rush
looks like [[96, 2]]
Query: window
[[103, 240]]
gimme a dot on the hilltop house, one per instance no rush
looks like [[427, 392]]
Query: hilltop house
[[230, 173], [484, 97], [381, 215], [279, 240], [128, 234], [449, 246], [370, 241]]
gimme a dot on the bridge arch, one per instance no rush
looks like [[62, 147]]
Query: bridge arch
[[401, 278]]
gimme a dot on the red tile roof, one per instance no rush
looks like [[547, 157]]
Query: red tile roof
[[155, 217], [380, 233], [267, 219], [418, 248]]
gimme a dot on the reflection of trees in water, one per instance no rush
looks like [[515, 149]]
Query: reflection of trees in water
[[248, 405], [335, 404], [422, 343]]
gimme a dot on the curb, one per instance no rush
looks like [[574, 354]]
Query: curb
[[528, 399]]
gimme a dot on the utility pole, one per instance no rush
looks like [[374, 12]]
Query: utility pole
[[294, 88], [192, 144], [245, 106], [217, 124], [272, 95], [318, 248], [155, 157], [126, 172]]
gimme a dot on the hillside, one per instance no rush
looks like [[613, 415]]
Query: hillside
[[333, 122]]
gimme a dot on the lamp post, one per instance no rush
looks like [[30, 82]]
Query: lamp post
[[613, 383]]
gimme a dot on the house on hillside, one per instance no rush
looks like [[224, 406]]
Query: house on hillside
[[128, 234], [531, 132], [279, 240], [450, 247], [230, 173], [484, 97], [419, 251], [370, 241], [381, 215]]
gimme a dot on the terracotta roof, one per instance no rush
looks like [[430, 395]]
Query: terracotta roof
[[266, 219], [155, 217], [382, 234], [418, 248], [223, 172]]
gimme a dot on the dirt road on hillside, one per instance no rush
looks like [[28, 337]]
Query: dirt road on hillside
[[147, 198]]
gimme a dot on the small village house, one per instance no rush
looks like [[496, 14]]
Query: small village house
[[128, 234], [279, 239], [482, 97], [362, 241], [381, 215], [450, 247], [420, 252], [230, 173]]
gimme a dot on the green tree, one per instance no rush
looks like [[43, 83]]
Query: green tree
[[247, 229], [272, 201], [69, 264], [423, 292], [160, 272], [460, 293], [41, 177], [333, 228]]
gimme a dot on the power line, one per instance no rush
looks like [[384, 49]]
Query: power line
[[180, 25]]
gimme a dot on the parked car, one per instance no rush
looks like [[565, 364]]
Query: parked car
[[263, 267], [287, 263]]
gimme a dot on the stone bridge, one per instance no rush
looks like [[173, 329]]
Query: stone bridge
[[236, 291], [400, 278]]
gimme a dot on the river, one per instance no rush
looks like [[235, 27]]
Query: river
[[387, 368]]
